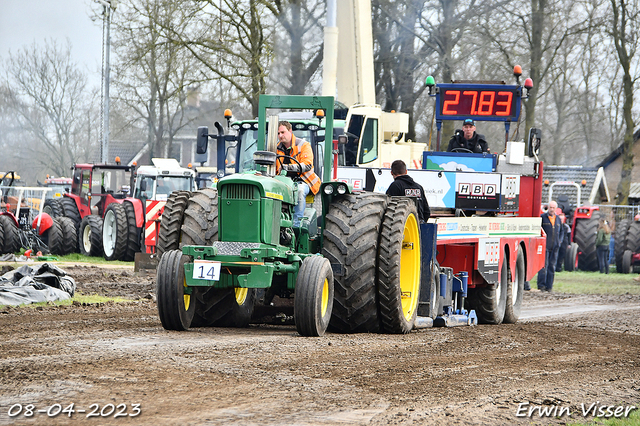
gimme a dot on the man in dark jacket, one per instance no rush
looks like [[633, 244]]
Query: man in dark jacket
[[404, 185], [552, 226], [468, 139]]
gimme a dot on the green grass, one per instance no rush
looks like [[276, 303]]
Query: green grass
[[593, 283], [77, 258], [91, 299], [632, 420]]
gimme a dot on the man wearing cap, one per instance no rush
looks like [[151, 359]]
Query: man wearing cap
[[468, 139]]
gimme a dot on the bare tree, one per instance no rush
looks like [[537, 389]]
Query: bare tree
[[49, 97], [625, 18]]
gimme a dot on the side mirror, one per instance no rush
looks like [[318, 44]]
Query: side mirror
[[535, 135], [143, 185], [203, 140]]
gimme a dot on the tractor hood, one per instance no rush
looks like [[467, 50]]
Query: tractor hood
[[277, 188]]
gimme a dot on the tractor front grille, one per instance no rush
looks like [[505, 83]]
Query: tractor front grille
[[236, 191]]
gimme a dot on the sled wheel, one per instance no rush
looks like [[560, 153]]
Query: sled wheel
[[313, 301], [515, 291], [175, 305]]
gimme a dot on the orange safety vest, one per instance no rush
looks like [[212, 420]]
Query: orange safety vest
[[301, 151]]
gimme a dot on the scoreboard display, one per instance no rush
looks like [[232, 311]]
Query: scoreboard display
[[480, 102]]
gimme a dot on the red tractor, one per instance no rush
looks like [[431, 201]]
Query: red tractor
[[109, 220]]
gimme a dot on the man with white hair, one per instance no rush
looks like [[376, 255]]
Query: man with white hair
[[552, 226]]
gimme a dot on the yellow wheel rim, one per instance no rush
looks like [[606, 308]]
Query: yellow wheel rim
[[325, 298], [185, 296], [241, 295], [410, 267]]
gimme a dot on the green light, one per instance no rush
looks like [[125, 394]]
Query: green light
[[430, 81]]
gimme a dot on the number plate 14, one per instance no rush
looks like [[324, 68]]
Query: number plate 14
[[206, 270]]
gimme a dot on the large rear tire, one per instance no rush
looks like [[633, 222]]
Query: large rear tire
[[399, 266], [69, 235], [231, 307], [70, 210], [53, 207], [115, 232], [52, 237], [313, 301], [585, 236], [515, 291], [90, 236], [171, 222], [490, 301], [620, 241], [10, 238], [175, 307], [351, 239], [133, 233]]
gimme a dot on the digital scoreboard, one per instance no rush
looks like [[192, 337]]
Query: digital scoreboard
[[478, 101]]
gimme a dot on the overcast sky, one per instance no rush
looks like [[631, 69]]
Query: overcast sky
[[24, 21]]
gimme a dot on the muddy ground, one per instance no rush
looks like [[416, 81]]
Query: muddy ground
[[106, 358]]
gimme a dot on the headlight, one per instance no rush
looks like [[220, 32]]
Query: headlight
[[328, 189], [342, 189]]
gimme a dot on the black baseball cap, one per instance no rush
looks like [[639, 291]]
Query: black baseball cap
[[468, 121]]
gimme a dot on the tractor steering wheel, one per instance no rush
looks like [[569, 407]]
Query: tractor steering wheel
[[280, 157], [462, 150]]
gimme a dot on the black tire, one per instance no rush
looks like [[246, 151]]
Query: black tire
[[627, 267], [585, 237], [313, 300], [171, 222], [490, 301], [620, 241], [515, 291], [433, 290], [90, 236], [52, 237], [53, 207], [633, 237], [10, 241], [399, 266], [571, 258], [70, 210], [115, 232], [175, 307], [214, 307], [351, 239], [69, 235], [133, 233]]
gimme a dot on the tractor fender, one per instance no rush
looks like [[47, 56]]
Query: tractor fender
[[139, 209], [45, 223], [12, 216]]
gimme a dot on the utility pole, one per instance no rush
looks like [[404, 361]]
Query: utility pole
[[108, 5]]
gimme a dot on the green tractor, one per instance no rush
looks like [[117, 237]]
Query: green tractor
[[352, 265]]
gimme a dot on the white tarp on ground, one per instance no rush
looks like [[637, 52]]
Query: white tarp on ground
[[32, 284]]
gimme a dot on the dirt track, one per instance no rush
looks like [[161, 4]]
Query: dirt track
[[268, 375]]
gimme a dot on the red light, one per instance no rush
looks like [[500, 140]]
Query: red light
[[528, 84], [584, 182]]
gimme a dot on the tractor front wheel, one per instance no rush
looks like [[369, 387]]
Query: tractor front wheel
[[90, 236], [399, 266], [571, 258], [313, 301], [53, 238], [9, 236], [627, 267], [175, 306], [69, 235], [115, 232], [490, 301]]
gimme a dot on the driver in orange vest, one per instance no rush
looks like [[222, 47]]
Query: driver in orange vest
[[302, 173]]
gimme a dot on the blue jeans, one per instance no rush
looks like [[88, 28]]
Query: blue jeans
[[603, 258], [298, 211], [546, 274]]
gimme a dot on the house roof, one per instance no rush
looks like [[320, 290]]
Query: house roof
[[617, 152], [565, 180]]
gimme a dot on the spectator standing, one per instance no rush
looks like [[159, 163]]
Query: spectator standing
[[555, 234], [603, 238]]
